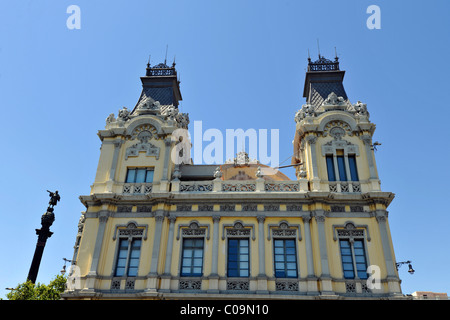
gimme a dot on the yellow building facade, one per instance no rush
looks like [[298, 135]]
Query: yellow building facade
[[157, 226]]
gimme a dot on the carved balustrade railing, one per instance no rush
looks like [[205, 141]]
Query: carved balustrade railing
[[238, 186], [344, 186], [196, 186], [282, 186], [137, 188]]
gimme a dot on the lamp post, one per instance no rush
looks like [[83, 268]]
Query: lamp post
[[410, 270], [44, 233]]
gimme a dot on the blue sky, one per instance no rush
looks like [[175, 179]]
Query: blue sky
[[242, 65]]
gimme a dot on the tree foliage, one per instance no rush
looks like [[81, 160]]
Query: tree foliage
[[31, 291]]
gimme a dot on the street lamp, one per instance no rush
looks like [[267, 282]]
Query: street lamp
[[63, 270], [410, 268], [44, 233]]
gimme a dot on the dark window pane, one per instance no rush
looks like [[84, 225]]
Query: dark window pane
[[353, 170], [341, 168], [140, 175], [149, 177], [131, 176], [330, 168]]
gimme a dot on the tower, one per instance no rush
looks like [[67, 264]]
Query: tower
[[334, 156]]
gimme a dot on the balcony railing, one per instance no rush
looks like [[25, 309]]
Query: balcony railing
[[137, 188], [345, 186], [246, 186]]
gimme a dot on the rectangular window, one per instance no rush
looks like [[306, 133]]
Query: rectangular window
[[133, 262], [341, 168], [128, 258], [330, 168], [360, 259], [285, 258], [353, 255], [353, 170], [192, 258], [238, 258], [140, 175]]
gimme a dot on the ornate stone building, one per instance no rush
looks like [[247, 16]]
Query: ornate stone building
[[157, 226]]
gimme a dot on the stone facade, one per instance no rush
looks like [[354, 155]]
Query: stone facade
[[152, 230]]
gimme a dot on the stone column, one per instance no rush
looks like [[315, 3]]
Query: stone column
[[325, 277], [214, 276], [392, 278], [262, 276], [93, 272], [112, 170], [312, 288], [311, 139], [153, 275], [165, 176], [166, 277]]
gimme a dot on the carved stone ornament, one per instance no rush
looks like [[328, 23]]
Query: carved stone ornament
[[283, 230], [238, 229], [130, 230], [124, 114], [217, 173], [337, 129], [147, 147], [333, 100], [144, 133], [307, 110], [361, 109], [193, 229], [350, 231]]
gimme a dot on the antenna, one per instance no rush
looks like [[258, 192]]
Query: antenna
[[148, 63], [165, 59], [318, 47]]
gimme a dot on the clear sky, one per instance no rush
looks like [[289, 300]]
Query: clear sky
[[242, 65]]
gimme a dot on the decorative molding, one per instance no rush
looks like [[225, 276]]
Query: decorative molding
[[271, 207], [144, 208], [193, 229], [227, 207], [238, 229], [150, 149], [350, 230], [131, 230], [286, 285], [205, 207], [190, 285], [239, 187], [249, 207], [283, 230], [184, 207], [241, 285]]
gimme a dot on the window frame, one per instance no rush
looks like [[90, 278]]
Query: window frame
[[129, 250], [238, 255], [183, 248], [136, 169], [285, 259]]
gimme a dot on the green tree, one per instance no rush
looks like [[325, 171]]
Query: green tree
[[31, 291]]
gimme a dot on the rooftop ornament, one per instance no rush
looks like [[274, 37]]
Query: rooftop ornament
[[323, 64]]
